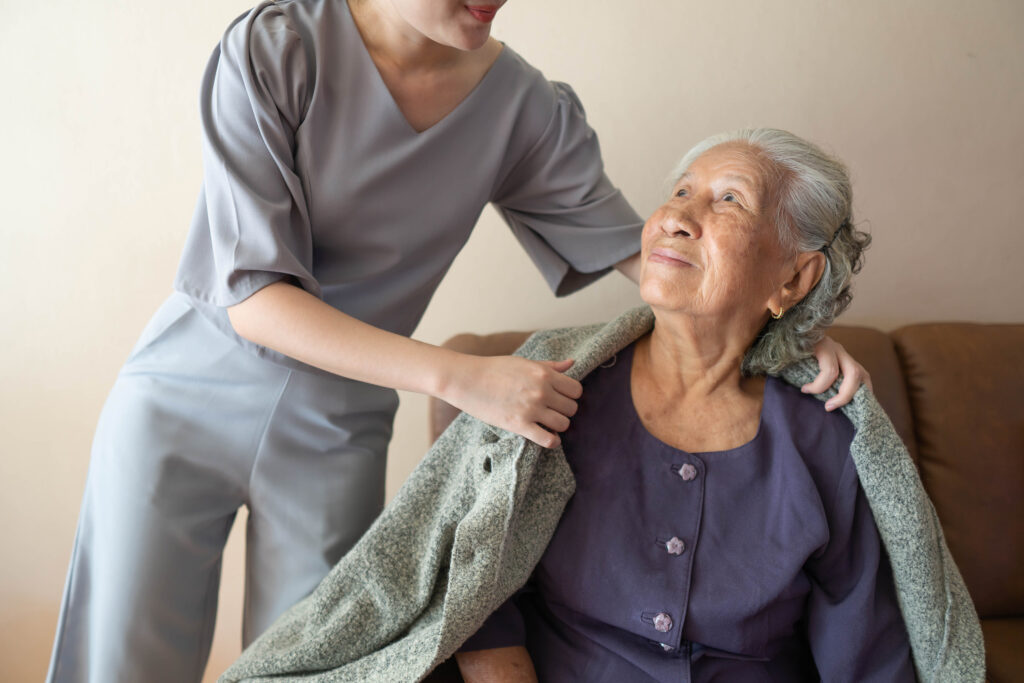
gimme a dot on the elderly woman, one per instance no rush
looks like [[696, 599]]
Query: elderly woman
[[718, 528], [707, 521]]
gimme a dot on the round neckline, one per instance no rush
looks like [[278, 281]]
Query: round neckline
[[634, 417], [393, 104]]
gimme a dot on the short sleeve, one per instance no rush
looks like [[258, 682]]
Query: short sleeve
[[251, 226], [561, 206], [854, 625]]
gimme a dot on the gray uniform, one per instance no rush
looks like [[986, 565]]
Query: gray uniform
[[313, 176]]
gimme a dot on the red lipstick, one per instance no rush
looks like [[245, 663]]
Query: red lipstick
[[484, 13]]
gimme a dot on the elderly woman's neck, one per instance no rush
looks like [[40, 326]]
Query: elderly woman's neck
[[688, 389], [695, 357]]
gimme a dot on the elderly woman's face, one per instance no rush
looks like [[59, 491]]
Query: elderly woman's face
[[712, 249]]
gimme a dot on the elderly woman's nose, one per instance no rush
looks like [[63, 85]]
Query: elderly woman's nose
[[678, 224]]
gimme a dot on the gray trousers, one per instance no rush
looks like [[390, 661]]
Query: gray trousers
[[195, 427]]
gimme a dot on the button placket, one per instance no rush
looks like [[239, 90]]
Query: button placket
[[679, 542]]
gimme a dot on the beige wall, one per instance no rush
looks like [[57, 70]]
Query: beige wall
[[923, 99]]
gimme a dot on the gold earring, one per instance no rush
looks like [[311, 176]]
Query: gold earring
[[782, 311]]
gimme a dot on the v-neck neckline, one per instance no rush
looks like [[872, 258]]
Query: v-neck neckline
[[382, 84]]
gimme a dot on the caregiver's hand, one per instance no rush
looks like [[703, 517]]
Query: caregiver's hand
[[834, 360], [520, 395]]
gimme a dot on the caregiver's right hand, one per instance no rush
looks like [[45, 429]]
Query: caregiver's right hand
[[523, 396]]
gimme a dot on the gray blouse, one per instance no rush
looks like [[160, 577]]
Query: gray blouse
[[313, 175]]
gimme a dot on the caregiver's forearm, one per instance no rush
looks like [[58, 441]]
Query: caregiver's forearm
[[532, 398], [292, 321], [497, 665]]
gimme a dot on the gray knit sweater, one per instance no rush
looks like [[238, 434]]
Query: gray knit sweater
[[466, 529]]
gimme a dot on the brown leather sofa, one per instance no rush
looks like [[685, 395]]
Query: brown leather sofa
[[955, 392]]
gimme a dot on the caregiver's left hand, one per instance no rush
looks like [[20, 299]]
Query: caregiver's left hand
[[834, 360]]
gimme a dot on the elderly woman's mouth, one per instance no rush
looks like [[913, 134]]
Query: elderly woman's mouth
[[670, 257]]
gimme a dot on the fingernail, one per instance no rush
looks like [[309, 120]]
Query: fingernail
[[829, 406]]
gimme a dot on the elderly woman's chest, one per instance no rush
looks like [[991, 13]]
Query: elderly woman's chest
[[678, 547]]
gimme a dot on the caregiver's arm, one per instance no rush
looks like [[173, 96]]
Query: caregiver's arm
[[497, 665], [832, 358], [509, 392]]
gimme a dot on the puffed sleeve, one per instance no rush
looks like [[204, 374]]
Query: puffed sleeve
[[562, 207], [251, 226], [854, 625]]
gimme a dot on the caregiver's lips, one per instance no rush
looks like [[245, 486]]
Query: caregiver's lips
[[484, 13]]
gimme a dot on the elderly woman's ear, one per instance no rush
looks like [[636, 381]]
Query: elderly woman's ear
[[804, 274]]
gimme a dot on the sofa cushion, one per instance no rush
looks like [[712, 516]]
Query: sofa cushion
[[1004, 654], [966, 386]]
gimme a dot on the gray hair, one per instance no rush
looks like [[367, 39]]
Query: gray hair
[[813, 212]]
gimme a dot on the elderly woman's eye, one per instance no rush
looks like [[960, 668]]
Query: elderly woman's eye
[[729, 197], [681, 192]]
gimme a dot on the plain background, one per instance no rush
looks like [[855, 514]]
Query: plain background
[[924, 99]]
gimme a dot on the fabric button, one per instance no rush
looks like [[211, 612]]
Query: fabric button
[[675, 546], [666, 647], [662, 622], [688, 472]]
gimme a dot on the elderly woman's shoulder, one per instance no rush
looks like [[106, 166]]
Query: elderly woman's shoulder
[[821, 438], [589, 345], [549, 344]]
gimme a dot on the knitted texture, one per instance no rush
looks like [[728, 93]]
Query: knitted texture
[[942, 624], [466, 530]]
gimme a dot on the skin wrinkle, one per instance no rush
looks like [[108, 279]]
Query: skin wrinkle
[[811, 194], [721, 219], [717, 285]]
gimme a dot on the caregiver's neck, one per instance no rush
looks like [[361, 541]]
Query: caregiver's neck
[[395, 44]]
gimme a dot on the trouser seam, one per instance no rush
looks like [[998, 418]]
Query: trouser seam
[[265, 431], [247, 606]]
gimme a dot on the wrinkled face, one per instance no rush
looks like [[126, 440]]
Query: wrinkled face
[[712, 249], [463, 24]]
